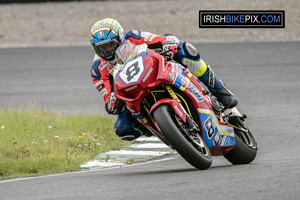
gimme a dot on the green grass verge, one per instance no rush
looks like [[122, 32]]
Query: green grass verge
[[34, 142]]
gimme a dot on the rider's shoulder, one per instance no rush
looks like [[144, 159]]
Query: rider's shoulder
[[95, 70], [133, 33]]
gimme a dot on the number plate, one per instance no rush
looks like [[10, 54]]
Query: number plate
[[132, 70]]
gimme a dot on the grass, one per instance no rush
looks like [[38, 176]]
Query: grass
[[34, 142]]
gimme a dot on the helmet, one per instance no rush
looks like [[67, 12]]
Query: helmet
[[106, 36]]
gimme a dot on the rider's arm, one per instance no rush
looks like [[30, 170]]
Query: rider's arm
[[141, 37], [153, 41], [101, 79]]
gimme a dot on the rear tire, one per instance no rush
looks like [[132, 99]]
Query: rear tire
[[195, 151], [245, 149]]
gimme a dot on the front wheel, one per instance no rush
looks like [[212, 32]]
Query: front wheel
[[189, 145]]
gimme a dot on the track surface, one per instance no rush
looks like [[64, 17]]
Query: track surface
[[265, 77]]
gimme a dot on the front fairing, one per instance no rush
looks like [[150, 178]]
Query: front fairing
[[135, 74]]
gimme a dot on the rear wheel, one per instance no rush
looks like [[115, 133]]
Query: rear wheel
[[245, 149], [188, 144]]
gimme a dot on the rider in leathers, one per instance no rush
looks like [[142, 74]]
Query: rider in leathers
[[107, 35]]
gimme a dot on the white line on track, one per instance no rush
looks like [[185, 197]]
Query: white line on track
[[146, 153], [82, 172], [99, 163], [149, 145], [148, 139]]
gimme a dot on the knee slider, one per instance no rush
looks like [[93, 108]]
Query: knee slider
[[190, 50]]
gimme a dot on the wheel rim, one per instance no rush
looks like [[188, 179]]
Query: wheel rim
[[246, 137], [194, 138]]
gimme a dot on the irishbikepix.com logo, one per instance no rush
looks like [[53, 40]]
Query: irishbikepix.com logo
[[241, 19]]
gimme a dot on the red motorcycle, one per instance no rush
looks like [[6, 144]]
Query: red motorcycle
[[170, 102]]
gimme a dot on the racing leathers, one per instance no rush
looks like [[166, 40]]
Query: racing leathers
[[126, 126]]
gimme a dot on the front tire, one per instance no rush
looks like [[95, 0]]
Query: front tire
[[192, 148]]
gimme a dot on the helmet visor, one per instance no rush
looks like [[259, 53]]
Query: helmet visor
[[106, 50]]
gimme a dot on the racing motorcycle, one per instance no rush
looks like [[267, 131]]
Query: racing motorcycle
[[171, 103]]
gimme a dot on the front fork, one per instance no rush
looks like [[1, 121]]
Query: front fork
[[192, 126]]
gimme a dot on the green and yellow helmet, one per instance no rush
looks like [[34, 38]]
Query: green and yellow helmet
[[106, 36]]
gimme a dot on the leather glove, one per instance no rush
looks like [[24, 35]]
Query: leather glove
[[114, 105], [169, 50]]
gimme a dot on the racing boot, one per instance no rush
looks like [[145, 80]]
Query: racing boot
[[188, 56], [218, 88]]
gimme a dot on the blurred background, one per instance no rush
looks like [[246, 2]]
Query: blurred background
[[45, 54], [62, 23]]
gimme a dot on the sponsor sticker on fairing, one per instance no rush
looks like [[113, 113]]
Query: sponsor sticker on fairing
[[209, 127], [147, 75], [184, 82], [195, 93], [171, 76], [131, 88], [178, 111], [217, 139]]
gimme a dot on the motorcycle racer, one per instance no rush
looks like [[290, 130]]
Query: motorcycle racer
[[107, 35]]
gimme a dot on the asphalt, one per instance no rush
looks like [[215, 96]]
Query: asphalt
[[265, 78]]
